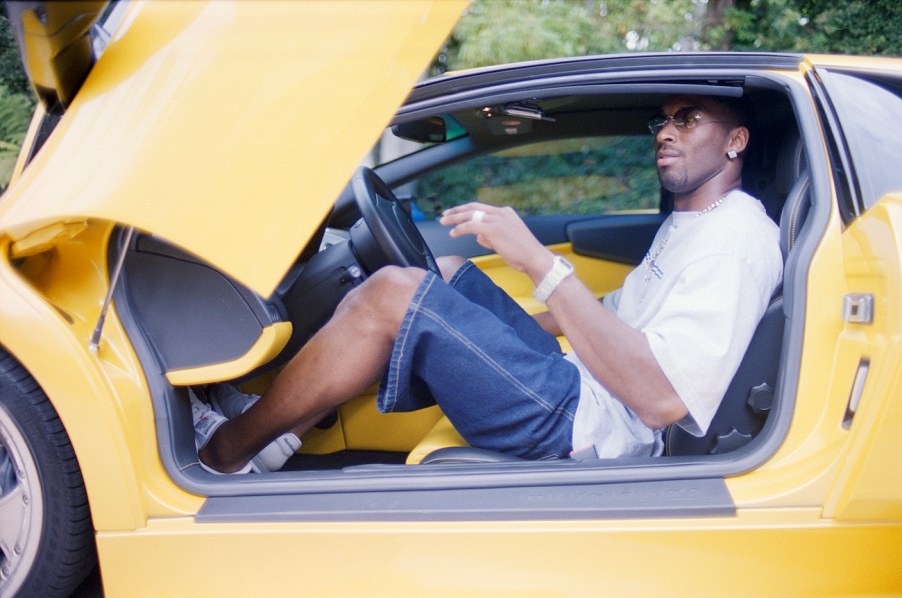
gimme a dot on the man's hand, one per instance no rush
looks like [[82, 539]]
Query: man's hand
[[504, 232]]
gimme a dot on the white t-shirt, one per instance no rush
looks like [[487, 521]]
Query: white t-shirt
[[698, 297]]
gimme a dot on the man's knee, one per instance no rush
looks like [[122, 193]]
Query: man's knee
[[385, 294], [394, 281]]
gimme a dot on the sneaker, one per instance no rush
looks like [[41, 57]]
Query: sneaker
[[206, 422], [230, 402]]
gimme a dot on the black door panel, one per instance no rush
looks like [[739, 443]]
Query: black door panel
[[623, 238]]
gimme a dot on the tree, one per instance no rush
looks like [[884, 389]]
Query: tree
[[865, 27], [12, 74], [499, 31], [871, 27]]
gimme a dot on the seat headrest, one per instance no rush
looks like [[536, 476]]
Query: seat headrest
[[791, 162]]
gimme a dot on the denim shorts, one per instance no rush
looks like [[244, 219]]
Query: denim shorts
[[496, 374]]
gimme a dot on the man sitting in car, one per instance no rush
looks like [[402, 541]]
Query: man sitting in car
[[660, 350]]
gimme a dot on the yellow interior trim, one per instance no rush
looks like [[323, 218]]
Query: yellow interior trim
[[47, 237], [270, 342], [600, 276]]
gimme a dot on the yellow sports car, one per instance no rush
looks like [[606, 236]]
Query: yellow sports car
[[191, 203]]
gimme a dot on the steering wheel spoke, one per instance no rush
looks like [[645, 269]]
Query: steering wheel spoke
[[393, 233]]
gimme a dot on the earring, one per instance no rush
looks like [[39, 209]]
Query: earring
[[732, 154]]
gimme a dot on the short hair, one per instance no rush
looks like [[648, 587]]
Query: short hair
[[738, 109]]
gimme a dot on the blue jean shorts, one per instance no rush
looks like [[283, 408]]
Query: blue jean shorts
[[496, 374]]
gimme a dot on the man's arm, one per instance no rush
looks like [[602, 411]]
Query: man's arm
[[617, 355], [548, 322]]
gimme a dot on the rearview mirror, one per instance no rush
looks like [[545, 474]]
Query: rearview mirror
[[427, 130]]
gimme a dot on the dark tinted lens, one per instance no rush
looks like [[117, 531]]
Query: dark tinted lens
[[684, 118], [656, 124], [687, 117]]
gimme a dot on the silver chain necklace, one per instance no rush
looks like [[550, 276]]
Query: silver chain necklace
[[652, 256]]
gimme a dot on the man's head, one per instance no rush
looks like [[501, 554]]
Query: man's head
[[699, 142]]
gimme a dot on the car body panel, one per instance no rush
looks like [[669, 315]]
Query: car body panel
[[868, 483], [192, 55], [854, 63], [498, 558], [82, 194], [804, 467], [816, 511], [123, 473]]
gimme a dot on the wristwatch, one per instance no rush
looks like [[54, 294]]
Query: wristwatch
[[560, 270]]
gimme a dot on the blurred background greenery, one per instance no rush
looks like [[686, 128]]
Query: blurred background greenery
[[16, 101], [498, 31]]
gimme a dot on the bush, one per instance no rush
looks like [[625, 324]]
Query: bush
[[15, 113]]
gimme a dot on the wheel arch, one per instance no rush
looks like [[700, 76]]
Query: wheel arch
[[83, 395]]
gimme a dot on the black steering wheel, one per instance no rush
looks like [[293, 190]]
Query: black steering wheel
[[385, 234]]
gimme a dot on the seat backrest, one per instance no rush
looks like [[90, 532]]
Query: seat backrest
[[749, 397]]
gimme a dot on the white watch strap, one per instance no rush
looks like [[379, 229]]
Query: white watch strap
[[560, 269]]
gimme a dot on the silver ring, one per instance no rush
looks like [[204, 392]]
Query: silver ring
[[477, 216]]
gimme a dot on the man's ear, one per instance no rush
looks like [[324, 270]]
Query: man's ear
[[739, 139]]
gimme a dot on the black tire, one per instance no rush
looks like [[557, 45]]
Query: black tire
[[46, 534]]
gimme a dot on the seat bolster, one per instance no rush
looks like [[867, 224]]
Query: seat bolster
[[440, 436], [795, 212], [466, 454]]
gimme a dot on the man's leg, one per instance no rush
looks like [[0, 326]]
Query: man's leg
[[478, 288], [339, 363], [501, 380]]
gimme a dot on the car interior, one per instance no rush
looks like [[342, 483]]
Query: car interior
[[223, 332]]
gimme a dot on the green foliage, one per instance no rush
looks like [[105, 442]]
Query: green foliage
[[576, 176], [865, 27], [499, 31], [12, 75], [15, 113], [16, 103], [870, 27], [768, 25]]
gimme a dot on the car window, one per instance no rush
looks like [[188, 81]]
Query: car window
[[869, 114], [585, 175]]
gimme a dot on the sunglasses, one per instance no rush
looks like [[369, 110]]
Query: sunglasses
[[685, 118]]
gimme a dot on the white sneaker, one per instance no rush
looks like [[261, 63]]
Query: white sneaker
[[206, 422], [230, 402]]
